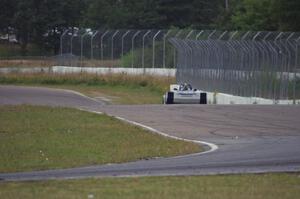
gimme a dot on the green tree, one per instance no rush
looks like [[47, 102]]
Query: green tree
[[102, 14], [23, 22], [255, 15], [223, 20], [206, 12], [266, 15], [42, 21], [195, 13], [6, 15], [152, 13], [122, 14], [288, 14], [143, 14]]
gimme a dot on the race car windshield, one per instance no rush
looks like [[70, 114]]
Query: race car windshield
[[185, 87]]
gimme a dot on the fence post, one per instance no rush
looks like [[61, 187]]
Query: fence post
[[112, 47], [143, 48], [210, 52], [199, 34], [253, 69], [246, 57], [153, 48], [101, 40], [81, 47], [92, 47], [178, 47], [280, 62], [274, 57], [295, 70], [288, 64], [164, 48], [71, 45], [174, 54], [211, 34], [189, 34], [72, 37], [122, 42], [132, 47], [264, 78], [61, 41], [189, 47], [233, 62], [224, 33]]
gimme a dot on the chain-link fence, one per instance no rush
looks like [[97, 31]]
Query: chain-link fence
[[121, 48], [256, 64]]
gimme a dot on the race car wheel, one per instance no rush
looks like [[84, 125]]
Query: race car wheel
[[203, 98], [170, 98]]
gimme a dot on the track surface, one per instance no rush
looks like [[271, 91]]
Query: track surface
[[251, 139]]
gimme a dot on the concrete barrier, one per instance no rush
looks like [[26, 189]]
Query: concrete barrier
[[222, 98], [25, 70], [130, 71], [92, 70]]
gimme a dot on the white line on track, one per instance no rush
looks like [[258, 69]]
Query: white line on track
[[80, 94], [213, 147]]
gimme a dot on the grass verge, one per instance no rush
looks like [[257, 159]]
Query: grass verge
[[43, 61], [266, 186], [38, 138], [118, 88]]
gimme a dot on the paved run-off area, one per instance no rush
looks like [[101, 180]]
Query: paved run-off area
[[251, 138]]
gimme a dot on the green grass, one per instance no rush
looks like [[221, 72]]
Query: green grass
[[267, 186], [39, 138], [119, 88]]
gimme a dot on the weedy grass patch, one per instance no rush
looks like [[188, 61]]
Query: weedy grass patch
[[39, 138], [263, 186]]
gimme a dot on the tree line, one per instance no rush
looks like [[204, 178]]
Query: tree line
[[42, 21]]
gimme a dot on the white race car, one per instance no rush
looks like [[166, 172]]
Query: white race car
[[184, 94]]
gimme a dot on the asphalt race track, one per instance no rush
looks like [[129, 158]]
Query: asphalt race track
[[250, 138]]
